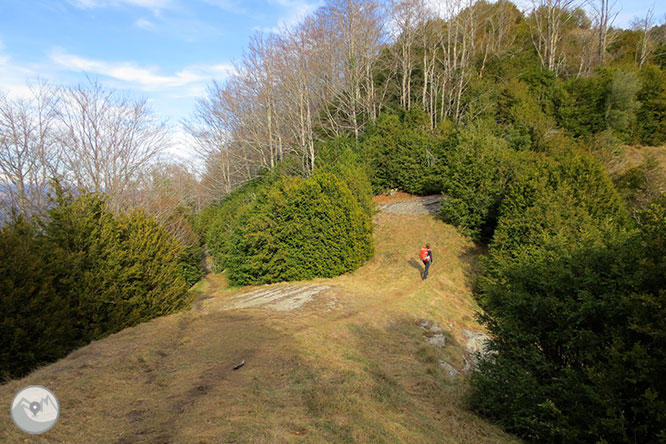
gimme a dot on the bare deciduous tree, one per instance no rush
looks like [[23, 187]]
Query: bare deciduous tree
[[645, 25], [107, 140], [458, 45], [407, 16], [604, 14], [547, 22], [29, 156]]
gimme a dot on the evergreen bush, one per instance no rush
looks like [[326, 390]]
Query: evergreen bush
[[475, 173], [84, 274], [402, 152], [299, 229], [36, 322]]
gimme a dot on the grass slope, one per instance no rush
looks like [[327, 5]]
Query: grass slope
[[351, 366]]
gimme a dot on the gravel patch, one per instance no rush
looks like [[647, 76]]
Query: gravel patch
[[422, 205]]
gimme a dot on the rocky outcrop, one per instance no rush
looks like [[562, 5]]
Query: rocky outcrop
[[476, 345]]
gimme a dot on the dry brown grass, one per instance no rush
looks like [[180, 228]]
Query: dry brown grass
[[356, 372], [632, 156], [635, 155], [398, 196]]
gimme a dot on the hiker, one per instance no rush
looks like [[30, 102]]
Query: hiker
[[426, 257]]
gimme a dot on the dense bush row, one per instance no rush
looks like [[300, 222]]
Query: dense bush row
[[288, 228], [526, 110], [577, 314], [81, 275]]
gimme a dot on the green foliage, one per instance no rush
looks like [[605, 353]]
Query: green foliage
[[651, 116], [625, 47], [574, 299], [475, 174], [137, 277], [115, 271], [621, 103], [216, 221], [567, 196], [580, 335], [35, 321], [402, 152], [580, 105], [86, 275], [524, 121], [343, 161], [189, 264], [299, 229]]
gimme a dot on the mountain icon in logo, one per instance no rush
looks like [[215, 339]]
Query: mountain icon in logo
[[35, 409]]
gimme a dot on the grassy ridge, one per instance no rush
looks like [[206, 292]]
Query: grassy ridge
[[355, 371]]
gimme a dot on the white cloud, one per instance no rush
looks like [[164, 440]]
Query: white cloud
[[145, 24], [13, 76], [148, 4], [296, 11], [143, 78], [228, 5], [172, 96], [155, 6]]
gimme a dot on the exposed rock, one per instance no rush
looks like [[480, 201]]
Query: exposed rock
[[438, 340], [281, 298], [477, 344], [434, 334], [450, 370], [476, 341], [468, 365]]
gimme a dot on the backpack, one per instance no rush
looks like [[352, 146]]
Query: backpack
[[424, 254]]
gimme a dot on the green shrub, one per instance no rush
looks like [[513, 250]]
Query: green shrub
[[402, 152], [574, 299], [189, 264], [299, 229], [524, 123], [567, 195], [138, 277], [84, 275], [216, 221], [651, 116], [622, 104], [340, 158], [114, 271], [580, 343], [475, 173], [35, 321], [580, 105]]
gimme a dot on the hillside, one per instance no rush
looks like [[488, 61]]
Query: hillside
[[349, 365]]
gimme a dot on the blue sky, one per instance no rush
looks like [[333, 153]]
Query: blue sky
[[168, 51], [165, 50]]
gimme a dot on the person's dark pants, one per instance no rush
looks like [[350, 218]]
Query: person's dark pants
[[427, 266]]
